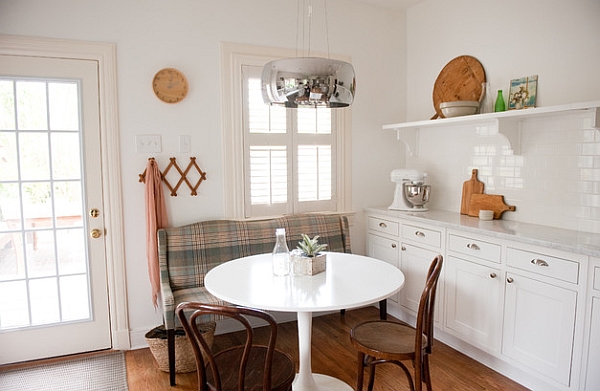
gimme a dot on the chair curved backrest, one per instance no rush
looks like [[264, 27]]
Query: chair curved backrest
[[425, 322], [237, 365]]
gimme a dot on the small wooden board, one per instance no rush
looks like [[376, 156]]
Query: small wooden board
[[460, 79], [470, 187], [493, 202]]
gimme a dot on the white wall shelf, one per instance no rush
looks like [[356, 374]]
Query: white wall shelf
[[507, 122]]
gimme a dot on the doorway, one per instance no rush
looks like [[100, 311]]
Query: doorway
[[56, 290]]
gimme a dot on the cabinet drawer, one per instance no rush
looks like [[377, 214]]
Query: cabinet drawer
[[475, 248], [384, 226], [547, 265], [418, 234]]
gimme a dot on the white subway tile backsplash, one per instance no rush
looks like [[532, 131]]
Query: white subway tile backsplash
[[554, 181]]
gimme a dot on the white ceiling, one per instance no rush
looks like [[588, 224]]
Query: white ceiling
[[395, 4]]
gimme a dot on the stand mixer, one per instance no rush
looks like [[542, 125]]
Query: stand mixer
[[411, 192]]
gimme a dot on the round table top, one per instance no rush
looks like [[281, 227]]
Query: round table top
[[349, 281]]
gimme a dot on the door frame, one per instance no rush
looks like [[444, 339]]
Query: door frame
[[105, 55]]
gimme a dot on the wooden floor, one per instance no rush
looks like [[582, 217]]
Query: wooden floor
[[333, 355]]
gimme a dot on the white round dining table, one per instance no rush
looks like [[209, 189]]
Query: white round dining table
[[349, 281]]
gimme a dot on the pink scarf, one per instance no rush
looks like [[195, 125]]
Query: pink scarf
[[156, 217]]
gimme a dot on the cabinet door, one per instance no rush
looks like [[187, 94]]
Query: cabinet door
[[474, 298], [386, 250], [414, 263], [539, 326], [592, 381]]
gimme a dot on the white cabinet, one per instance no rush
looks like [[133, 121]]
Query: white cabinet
[[474, 290], [591, 371], [383, 242], [516, 305], [474, 303], [420, 244], [385, 249], [414, 263], [539, 326]]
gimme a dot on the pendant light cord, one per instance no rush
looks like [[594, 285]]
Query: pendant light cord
[[307, 26], [326, 28]]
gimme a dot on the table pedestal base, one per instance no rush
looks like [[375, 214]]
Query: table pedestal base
[[321, 383]]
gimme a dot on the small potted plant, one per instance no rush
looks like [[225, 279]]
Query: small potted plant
[[310, 261]]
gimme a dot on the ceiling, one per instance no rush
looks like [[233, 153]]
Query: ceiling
[[395, 4]]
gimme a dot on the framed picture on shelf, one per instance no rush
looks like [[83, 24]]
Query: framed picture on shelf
[[522, 93]]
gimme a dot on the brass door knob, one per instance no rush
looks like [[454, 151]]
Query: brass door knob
[[95, 233]]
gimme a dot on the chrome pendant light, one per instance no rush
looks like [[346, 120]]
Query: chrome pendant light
[[308, 81]]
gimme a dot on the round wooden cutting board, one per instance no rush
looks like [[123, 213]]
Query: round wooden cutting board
[[460, 79]]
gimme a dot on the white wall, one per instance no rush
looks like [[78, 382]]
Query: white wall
[[187, 35], [555, 180]]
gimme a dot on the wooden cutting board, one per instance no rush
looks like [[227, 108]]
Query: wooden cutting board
[[470, 187], [460, 79], [493, 202]]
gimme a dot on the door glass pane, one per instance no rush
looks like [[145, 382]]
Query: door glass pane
[[34, 156], [71, 252], [64, 106], [74, 305], [65, 155], [7, 105], [40, 253], [9, 169], [32, 111], [44, 301], [14, 311]]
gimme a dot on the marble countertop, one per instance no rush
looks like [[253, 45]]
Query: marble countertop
[[578, 242]]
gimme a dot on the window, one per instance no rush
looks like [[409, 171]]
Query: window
[[282, 160]]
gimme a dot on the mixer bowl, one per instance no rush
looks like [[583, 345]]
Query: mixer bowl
[[417, 194]]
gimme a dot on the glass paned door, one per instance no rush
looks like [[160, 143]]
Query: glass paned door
[[52, 273]]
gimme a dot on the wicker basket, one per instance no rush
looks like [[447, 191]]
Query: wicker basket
[[184, 353]]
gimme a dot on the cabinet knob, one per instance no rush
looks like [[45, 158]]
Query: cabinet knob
[[539, 262], [510, 280], [472, 246], [403, 248], [382, 225], [394, 245], [419, 233], [493, 275]]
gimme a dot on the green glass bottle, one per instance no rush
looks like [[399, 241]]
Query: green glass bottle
[[500, 105]]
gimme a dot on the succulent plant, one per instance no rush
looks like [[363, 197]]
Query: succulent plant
[[310, 247]]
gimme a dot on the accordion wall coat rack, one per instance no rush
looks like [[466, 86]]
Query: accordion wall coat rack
[[191, 168]]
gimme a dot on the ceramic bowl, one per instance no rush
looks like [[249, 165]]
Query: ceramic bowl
[[458, 108]]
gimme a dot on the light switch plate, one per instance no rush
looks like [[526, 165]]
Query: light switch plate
[[185, 143], [148, 143]]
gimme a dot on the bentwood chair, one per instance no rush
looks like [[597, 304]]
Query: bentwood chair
[[383, 341], [250, 366]]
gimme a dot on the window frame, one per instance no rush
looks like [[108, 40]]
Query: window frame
[[234, 56]]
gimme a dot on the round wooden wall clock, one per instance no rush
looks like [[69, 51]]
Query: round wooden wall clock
[[170, 85]]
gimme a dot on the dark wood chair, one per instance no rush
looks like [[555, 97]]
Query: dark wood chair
[[250, 366], [382, 341]]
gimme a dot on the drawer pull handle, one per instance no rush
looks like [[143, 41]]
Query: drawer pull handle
[[419, 233], [539, 262], [472, 246], [492, 275], [510, 280], [382, 225], [393, 245]]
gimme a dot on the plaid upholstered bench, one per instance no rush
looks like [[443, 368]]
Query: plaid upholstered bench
[[187, 253]]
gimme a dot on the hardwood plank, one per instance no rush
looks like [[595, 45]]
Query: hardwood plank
[[332, 354]]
